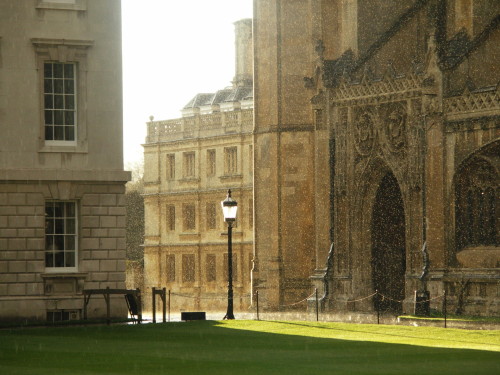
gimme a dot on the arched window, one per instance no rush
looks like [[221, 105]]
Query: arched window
[[476, 201]]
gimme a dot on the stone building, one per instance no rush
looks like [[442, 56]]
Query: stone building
[[61, 170], [377, 153], [189, 164]]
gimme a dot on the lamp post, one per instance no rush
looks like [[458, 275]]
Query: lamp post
[[229, 208]]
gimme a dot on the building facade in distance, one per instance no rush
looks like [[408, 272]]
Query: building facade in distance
[[189, 164], [377, 143], [62, 212]]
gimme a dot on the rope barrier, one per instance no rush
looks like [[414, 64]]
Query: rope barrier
[[432, 299], [296, 303], [361, 299]]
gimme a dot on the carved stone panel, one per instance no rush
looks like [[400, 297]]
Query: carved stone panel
[[394, 120], [364, 131]]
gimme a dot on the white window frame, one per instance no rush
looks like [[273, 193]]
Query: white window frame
[[50, 231], [64, 51], [52, 142]]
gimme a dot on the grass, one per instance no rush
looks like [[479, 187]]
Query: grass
[[248, 347], [454, 317]]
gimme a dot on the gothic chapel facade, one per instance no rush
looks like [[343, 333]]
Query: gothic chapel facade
[[377, 153]]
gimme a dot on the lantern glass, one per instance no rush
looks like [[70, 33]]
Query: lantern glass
[[229, 211], [229, 208]]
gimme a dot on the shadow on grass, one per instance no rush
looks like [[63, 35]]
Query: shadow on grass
[[209, 347]]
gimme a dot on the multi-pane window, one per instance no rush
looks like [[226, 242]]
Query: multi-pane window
[[188, 164], [230, 160], [188, 268], [60, 235], [235, 267], [59, 93], [211, 215], [189, 216], [171, 268], [171, 217], [211, 169], [476, 207], [171, 166], [211, 267]]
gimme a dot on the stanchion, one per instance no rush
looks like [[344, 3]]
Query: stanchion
[[169, 305], [317, 305], [153, 295], [445, 307], [164, 310], [377, 303], [257, 303]]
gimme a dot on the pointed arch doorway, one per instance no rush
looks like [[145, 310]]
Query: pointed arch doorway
[[388, 245]]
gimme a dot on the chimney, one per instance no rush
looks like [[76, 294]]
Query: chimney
[[244, 53]]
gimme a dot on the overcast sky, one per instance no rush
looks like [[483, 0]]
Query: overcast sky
[[172, 50]]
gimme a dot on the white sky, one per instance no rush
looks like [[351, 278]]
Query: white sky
[[172, 50]]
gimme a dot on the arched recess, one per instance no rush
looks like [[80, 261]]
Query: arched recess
[[477, 212], [377, 186], [388, 245]]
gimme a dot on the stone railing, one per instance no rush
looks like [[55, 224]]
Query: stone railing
[[200, 126]]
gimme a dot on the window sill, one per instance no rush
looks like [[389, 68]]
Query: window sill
[[78, 5], [188, 236], [71, 147], [63, 275], [189, 179], [231, 176]]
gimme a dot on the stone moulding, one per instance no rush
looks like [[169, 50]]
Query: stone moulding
[[472, 104], [385, 90]]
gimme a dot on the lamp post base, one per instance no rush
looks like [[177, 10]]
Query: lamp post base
[[228, 317]]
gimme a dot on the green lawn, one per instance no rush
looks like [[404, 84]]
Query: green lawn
[[248, 347]]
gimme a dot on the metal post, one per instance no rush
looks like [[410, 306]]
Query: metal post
[[377, 300], [445, 306], [169, 305], [229, 313], [153, 294], [317, 305], [108, 308], [257, 301], [139, 304], [164, 297]]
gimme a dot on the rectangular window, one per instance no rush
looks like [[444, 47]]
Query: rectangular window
[[171, 268], [188, 164], [59, 94], [230, 160], [211, 169], [211, 268], [211, 216], [60, 236], [235, 267], [171, 217], [189, 216], [188, 268], [171, 166]]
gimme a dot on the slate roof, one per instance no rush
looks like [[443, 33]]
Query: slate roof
[[227, 95]]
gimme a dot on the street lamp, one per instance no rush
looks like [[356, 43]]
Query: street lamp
[[229, 208]]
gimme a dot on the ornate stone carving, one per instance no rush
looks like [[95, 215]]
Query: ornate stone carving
[[395, 126], [364, 132]]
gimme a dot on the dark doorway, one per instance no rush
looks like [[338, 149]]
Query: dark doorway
[[388, 246]]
